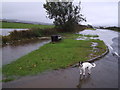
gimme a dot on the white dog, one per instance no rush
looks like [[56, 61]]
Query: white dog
[[86, 65]]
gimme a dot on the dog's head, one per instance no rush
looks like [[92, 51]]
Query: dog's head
[[80, 63]]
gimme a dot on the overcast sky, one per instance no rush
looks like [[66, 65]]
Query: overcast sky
[[53, 0], [97, 12]]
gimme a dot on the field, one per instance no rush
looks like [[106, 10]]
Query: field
[[23, 25]]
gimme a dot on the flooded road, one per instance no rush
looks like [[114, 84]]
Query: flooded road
[[13, 52], [104, 75]]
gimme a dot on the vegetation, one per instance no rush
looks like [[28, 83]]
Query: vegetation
[[33, 33], [23, 25], [66, 16], [111, 28], [27, 34], [7, 79], [91, 29], [53, 56]]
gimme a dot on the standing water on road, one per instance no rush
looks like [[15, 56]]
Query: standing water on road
[[104, 34], [13, 52]]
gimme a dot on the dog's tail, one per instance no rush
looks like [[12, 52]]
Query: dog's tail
[[93, 65]]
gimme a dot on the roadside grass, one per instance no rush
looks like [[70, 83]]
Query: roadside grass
[[52, 56], [7, 80], [23, 25]]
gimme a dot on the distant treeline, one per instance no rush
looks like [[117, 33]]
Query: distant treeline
[[111, 28]]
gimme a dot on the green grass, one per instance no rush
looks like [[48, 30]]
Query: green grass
[[22, 25], [52, 56], [7, 80], [90, 29]]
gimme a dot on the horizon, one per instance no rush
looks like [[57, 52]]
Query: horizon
[[96, 13]]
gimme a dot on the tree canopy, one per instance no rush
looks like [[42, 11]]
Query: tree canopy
[[65, 14]]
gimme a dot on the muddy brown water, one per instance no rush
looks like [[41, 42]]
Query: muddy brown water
[[104, 75]]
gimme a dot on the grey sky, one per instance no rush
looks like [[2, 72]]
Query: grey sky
[[96, 13]]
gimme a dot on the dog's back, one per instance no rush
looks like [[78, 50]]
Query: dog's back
[[86, 65]]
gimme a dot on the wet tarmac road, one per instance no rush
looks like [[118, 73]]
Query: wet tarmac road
[[104, 75]]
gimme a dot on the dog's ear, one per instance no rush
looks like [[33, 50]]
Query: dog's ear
[[80, 63]]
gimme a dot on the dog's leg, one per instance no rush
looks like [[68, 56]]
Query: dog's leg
[[84, 71], [80, 71], [89, 70]]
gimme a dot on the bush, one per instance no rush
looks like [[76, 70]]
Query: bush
[[35, 32], [5, 39], [43, 32]]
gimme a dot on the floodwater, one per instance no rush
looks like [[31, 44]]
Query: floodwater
[[104, 75], [13, 52], [5, 31], [104, 34]]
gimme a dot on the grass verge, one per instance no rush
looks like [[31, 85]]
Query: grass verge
[[53, 56]]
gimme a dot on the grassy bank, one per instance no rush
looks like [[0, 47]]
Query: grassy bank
[[53, 56], [90, 29], [23, 35], [23, 25]]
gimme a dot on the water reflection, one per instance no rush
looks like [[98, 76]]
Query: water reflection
[[83, 80], [104, 34], [13, 52]]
